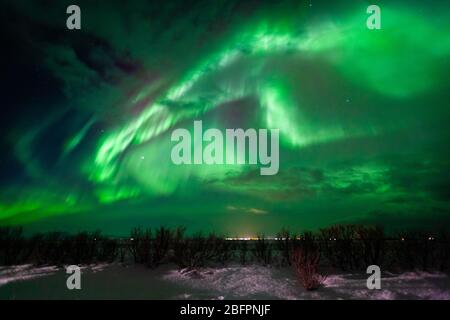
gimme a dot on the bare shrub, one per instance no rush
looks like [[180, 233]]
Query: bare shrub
[[443, 252], [50, 248], [223, 250], [139, 245], [195, 251], [243, 251], [11, 245], [149, 250], [84, 247], [340, 247], [305, 259], [372, 244], [122, 251], [263, 251], [284, 245], [108, 249], [160, 246], [419, 250]]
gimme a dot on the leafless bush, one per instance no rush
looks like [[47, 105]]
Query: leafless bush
[[443, 251], [372, 241], [122, 251], [262, 251], [223, 250], [12, 243], [84, 247], [305, 259], [139, 245], [284, 245], [419, 250], [243, 251], [160, 246], [50, 248], [340, 247], [108, 249], [194, 251], [149, 250]]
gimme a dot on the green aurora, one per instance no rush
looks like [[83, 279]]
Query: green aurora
[[363, 114]]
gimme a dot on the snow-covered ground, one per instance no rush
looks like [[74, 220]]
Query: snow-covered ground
[[235, 282]]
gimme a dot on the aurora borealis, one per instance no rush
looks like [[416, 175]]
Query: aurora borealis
[[87, 115]]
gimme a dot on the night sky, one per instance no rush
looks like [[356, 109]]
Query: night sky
[[86, 115]]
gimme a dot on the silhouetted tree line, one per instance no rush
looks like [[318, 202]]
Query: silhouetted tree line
[[343, 247], [55, 248]]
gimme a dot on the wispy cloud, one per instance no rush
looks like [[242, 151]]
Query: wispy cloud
[[256, 211]]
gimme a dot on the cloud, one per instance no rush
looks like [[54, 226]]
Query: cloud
[[255, 211]]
